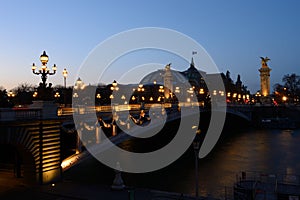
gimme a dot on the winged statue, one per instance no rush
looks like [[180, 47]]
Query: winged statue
[[264, 60]]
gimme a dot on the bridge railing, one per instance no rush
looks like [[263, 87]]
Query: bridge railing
[[12, 114]]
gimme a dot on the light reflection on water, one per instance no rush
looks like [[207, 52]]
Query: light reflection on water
[[269, 151]]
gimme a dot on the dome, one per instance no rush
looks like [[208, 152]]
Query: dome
[[158, 77]]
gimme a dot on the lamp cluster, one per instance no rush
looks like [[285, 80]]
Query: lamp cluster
[[44, 70]]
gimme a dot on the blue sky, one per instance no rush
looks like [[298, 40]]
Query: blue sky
[[234, 33]]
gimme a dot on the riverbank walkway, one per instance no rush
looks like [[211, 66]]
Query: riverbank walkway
[[69, 190]]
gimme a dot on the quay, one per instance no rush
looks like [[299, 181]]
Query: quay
[[257, 185], [70, 190]]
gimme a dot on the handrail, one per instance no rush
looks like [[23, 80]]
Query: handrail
[[12, 114], [291, 179]]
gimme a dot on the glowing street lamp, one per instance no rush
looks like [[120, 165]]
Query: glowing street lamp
[[161, 89], [35, 94], [43, 71], [79, 85], [65, 74], [177, 90], [57, 95], [75, 95], [215, 92], [284, 98], [141, 88], [10, 94], [114, 86], [201, 91]]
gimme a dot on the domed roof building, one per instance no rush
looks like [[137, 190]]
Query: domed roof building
[[191, 75], [195, 76], [158, 77]]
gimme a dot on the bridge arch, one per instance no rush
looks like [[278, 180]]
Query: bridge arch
[[18, 162], [39, 144], [244, 115]]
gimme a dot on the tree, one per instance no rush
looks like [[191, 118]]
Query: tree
[[4, 102], [290, 89], [24, 94], [24, 87], [292, 85], [279, 92]]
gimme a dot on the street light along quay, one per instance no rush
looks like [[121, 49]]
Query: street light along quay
[[65, 74], [196, 145]]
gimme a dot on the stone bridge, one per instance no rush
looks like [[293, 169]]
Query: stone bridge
[[242, 111], [36, 135]]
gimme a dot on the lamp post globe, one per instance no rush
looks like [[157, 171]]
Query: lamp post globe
[[44, 58]]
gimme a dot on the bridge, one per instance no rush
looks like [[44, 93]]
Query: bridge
[[36, 135], [242, 111]]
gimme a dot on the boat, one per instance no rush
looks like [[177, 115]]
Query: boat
[[258, 185], [277, 123]]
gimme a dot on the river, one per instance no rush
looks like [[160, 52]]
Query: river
[[269, 151]]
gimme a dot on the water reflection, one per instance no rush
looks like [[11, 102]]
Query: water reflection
[[270, 151]]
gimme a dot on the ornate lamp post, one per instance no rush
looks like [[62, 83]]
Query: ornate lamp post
[[57, 95], [44, 96], [65, 74], [44, 71], [196, 145], [10, 95], [114, 86]]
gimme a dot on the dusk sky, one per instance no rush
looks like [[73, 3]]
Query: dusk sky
[[234, 33]]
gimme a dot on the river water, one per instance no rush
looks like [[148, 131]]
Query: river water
[[268, 151]]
